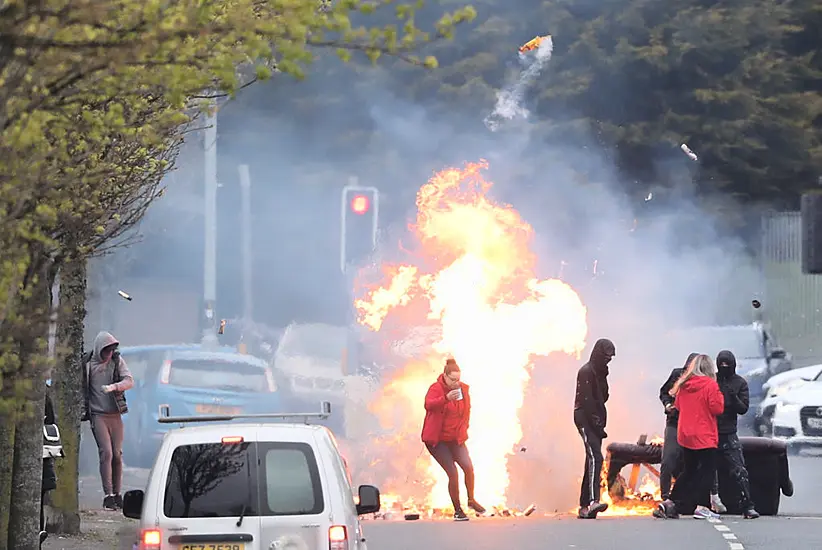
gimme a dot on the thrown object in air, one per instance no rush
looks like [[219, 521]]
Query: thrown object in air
[[533, 44], [124, 295], [530, 510], [411, 517], [222, 327], [687, 151], [756, 304]]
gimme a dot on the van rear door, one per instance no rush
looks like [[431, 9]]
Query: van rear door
[[210, 499], [294, 509]]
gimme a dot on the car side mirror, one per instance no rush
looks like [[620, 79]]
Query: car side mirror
[[778, 353], [133, 504], [369, 500]]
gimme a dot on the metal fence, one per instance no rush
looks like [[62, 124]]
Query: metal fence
[[792, 299]]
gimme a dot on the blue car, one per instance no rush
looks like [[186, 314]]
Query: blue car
[[191, 381]]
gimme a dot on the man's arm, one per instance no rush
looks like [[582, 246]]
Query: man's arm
[[664, 396], [126, 380], [585, 391], [742, 401]]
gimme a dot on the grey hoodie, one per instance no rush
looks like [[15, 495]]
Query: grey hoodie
[[101, 373]]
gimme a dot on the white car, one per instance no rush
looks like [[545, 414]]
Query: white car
[[797, 417], [247, 486], [775, 388]]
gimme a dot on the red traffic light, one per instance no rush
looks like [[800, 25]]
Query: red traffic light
[[360, 204]]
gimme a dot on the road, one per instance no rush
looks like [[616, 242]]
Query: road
[[798, 527]]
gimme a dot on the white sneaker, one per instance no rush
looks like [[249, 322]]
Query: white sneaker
[[717, 505], [703, 513]]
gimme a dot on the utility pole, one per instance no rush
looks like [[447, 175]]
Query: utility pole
[[210, 229], [245, 187]]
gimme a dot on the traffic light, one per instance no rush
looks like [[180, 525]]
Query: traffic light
[[358, 233]]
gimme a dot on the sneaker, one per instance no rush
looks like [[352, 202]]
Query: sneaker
[[118, 501], [459, 515], [750, 513], [704, 513], [659, 514], [476, 506], [583, 513], [668, 509], [109, 502], [596, 507], [717, 505]]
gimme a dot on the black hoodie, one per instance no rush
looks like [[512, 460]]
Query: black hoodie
[[735, 390], [672, 418], [592, 386]]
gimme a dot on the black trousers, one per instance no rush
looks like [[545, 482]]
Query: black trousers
[[592, 476], [730, 460], [448, 455], [672, 462], [693, 487]]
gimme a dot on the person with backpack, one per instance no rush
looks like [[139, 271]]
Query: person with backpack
[[51, 450], [106, 378]]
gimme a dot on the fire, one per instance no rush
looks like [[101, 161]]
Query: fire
[[477, 285]]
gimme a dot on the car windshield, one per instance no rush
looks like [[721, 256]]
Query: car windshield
[[215, 374], [320, 341], [743, 341]]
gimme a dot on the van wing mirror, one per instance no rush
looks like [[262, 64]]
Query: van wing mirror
[[369, 500], [778, 353], [133, 504]]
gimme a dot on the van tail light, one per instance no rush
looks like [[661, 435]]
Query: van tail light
[[337, 537], [150, 539], [269, 378], [165, 374], [232, 439]]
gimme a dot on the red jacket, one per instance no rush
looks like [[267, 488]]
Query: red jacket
[[445, 420], [699, 402]]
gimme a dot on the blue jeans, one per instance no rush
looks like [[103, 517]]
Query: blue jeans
[[448, 455]]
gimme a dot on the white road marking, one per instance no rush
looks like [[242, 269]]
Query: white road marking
[[726, 534]]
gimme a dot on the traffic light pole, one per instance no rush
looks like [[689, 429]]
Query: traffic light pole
[[344, 207]]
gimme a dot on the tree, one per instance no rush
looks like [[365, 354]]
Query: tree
[[94, 95]]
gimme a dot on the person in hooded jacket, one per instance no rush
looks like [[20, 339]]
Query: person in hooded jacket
[[699, 401], [445, 431], [672, 465], [591, 418], [49, 478], [730, 459], [106, 378]]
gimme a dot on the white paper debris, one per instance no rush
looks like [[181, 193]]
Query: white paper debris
[[649, 197], [687, 151], [124, 295]]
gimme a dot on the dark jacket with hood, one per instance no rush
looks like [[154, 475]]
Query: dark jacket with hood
[[735, 390], [592, 387], [672, 414]]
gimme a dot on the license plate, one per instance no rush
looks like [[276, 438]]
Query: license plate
[[815, 422], [214, 546], [216, 409]]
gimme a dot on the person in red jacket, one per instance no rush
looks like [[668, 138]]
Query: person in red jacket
[[699, 401], [445, 431]]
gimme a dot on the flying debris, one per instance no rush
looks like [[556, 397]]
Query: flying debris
[[124, 295], [687, 151], [533, 44]]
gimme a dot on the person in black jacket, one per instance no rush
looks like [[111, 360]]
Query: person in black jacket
[[49, 480], [590, 417], [672, 457], [729, 454]]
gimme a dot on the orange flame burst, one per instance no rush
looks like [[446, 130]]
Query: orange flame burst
[[477, 286]]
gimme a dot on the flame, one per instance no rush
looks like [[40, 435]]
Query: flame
[[479, 289]]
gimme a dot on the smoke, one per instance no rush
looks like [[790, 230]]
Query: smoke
[[510, 99], [642, 267]]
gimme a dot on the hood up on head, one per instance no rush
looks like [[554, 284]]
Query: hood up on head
[[602, 353], [725, 364], [689, 359], [103, 340]]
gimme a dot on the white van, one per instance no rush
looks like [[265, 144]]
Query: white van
[[250, 486]]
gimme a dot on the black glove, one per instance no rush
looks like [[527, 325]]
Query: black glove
[[670, 409]]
